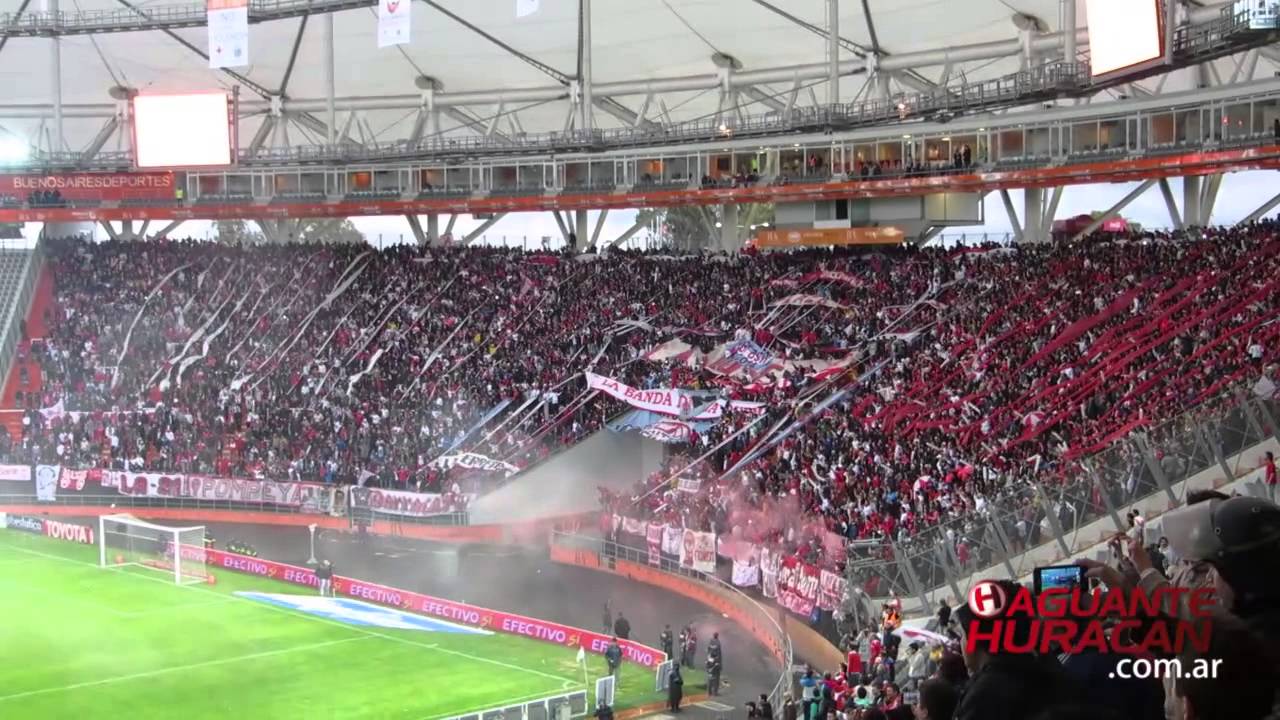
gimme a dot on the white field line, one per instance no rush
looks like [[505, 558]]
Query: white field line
[[313, 618], [178, 668]]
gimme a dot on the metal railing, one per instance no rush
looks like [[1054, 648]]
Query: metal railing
[[547, 708], [609, 550], [1040, 523], [353, 514]]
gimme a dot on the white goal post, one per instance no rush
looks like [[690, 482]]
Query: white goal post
[[124, 540]]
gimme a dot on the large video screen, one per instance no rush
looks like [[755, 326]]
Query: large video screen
[[175, 131], [1123, 34]]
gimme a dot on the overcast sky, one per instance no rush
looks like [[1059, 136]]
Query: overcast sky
[[1238, 196]]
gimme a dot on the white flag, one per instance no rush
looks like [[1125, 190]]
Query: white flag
[[228, 33], [525, 8], [47, 482], [582, 654], [394, 22]]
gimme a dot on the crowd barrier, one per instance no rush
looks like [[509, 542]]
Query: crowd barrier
[[456, 612], [707, 589]]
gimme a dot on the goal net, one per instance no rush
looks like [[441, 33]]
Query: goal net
[[124, 540]]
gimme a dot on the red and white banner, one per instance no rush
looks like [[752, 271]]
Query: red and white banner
[[472, 461], [400, 502], [312, 496], [92, 186], [497, 621], [73, 479], [831, 587], [667, 401], [653, 538], [698, 551], [770, 564], [15, 473], [798, 586], [670, 431]]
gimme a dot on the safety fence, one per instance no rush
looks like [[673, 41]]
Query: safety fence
[[555, 707], [758, 620]]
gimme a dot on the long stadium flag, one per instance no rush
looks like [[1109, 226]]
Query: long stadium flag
[[228, 33], [394, 22]]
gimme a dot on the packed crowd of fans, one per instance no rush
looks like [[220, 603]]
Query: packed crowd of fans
[[936, 672], [968, 371]]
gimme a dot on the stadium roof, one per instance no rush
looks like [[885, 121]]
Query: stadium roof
[[633, 41]]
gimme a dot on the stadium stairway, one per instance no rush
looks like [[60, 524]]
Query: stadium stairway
[[23, 371]]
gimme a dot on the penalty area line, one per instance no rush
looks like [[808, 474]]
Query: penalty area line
[[179, 668]]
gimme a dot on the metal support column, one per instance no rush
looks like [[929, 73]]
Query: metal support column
[[1262, 210], [1004, 545], [631, 231], [1167, 192], [433, 229], [833, 52], [415, 226], [587, 95], [909, 571], [479, 232], [595, 234], [1191, 202], [1106, 498], [1069, 30], [331, 108], [1013, 215], [1033, 211], [1209, 198], [579, 228], [729, 241], [55, 81]]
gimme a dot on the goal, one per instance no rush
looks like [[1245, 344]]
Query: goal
[[124, 540]]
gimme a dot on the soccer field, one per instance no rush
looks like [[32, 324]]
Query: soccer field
[[82, 642]]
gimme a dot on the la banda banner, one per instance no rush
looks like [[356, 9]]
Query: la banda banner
[[470, 615], [668, 401]]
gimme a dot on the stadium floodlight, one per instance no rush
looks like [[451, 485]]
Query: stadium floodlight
[[126, 541], [13, 150]]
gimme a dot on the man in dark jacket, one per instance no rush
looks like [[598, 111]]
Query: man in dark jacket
[[666, 642], [675, 689], [713, 675], [621, 627], [613, 656]]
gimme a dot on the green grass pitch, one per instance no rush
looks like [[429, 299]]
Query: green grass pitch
[[80, 642]]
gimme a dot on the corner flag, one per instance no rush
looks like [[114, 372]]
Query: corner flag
[[582, 654]]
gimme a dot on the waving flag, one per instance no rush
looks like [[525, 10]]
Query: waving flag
[[525, 8], [228, 23], [394, 22]]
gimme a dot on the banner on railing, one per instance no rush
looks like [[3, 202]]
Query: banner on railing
[[401, 502], [653, 538], [746, 573], [310, 497], [47, 482], [698, 551], [770, 562], [507, 623], [15, 473]]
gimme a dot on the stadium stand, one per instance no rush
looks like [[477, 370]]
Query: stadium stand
[[327, 363]]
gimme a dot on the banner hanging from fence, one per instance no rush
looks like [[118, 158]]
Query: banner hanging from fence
[[15, 473], [698, 551], [47, 482], [401, 502], [310, 497], [472, 461], [653, 538]]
